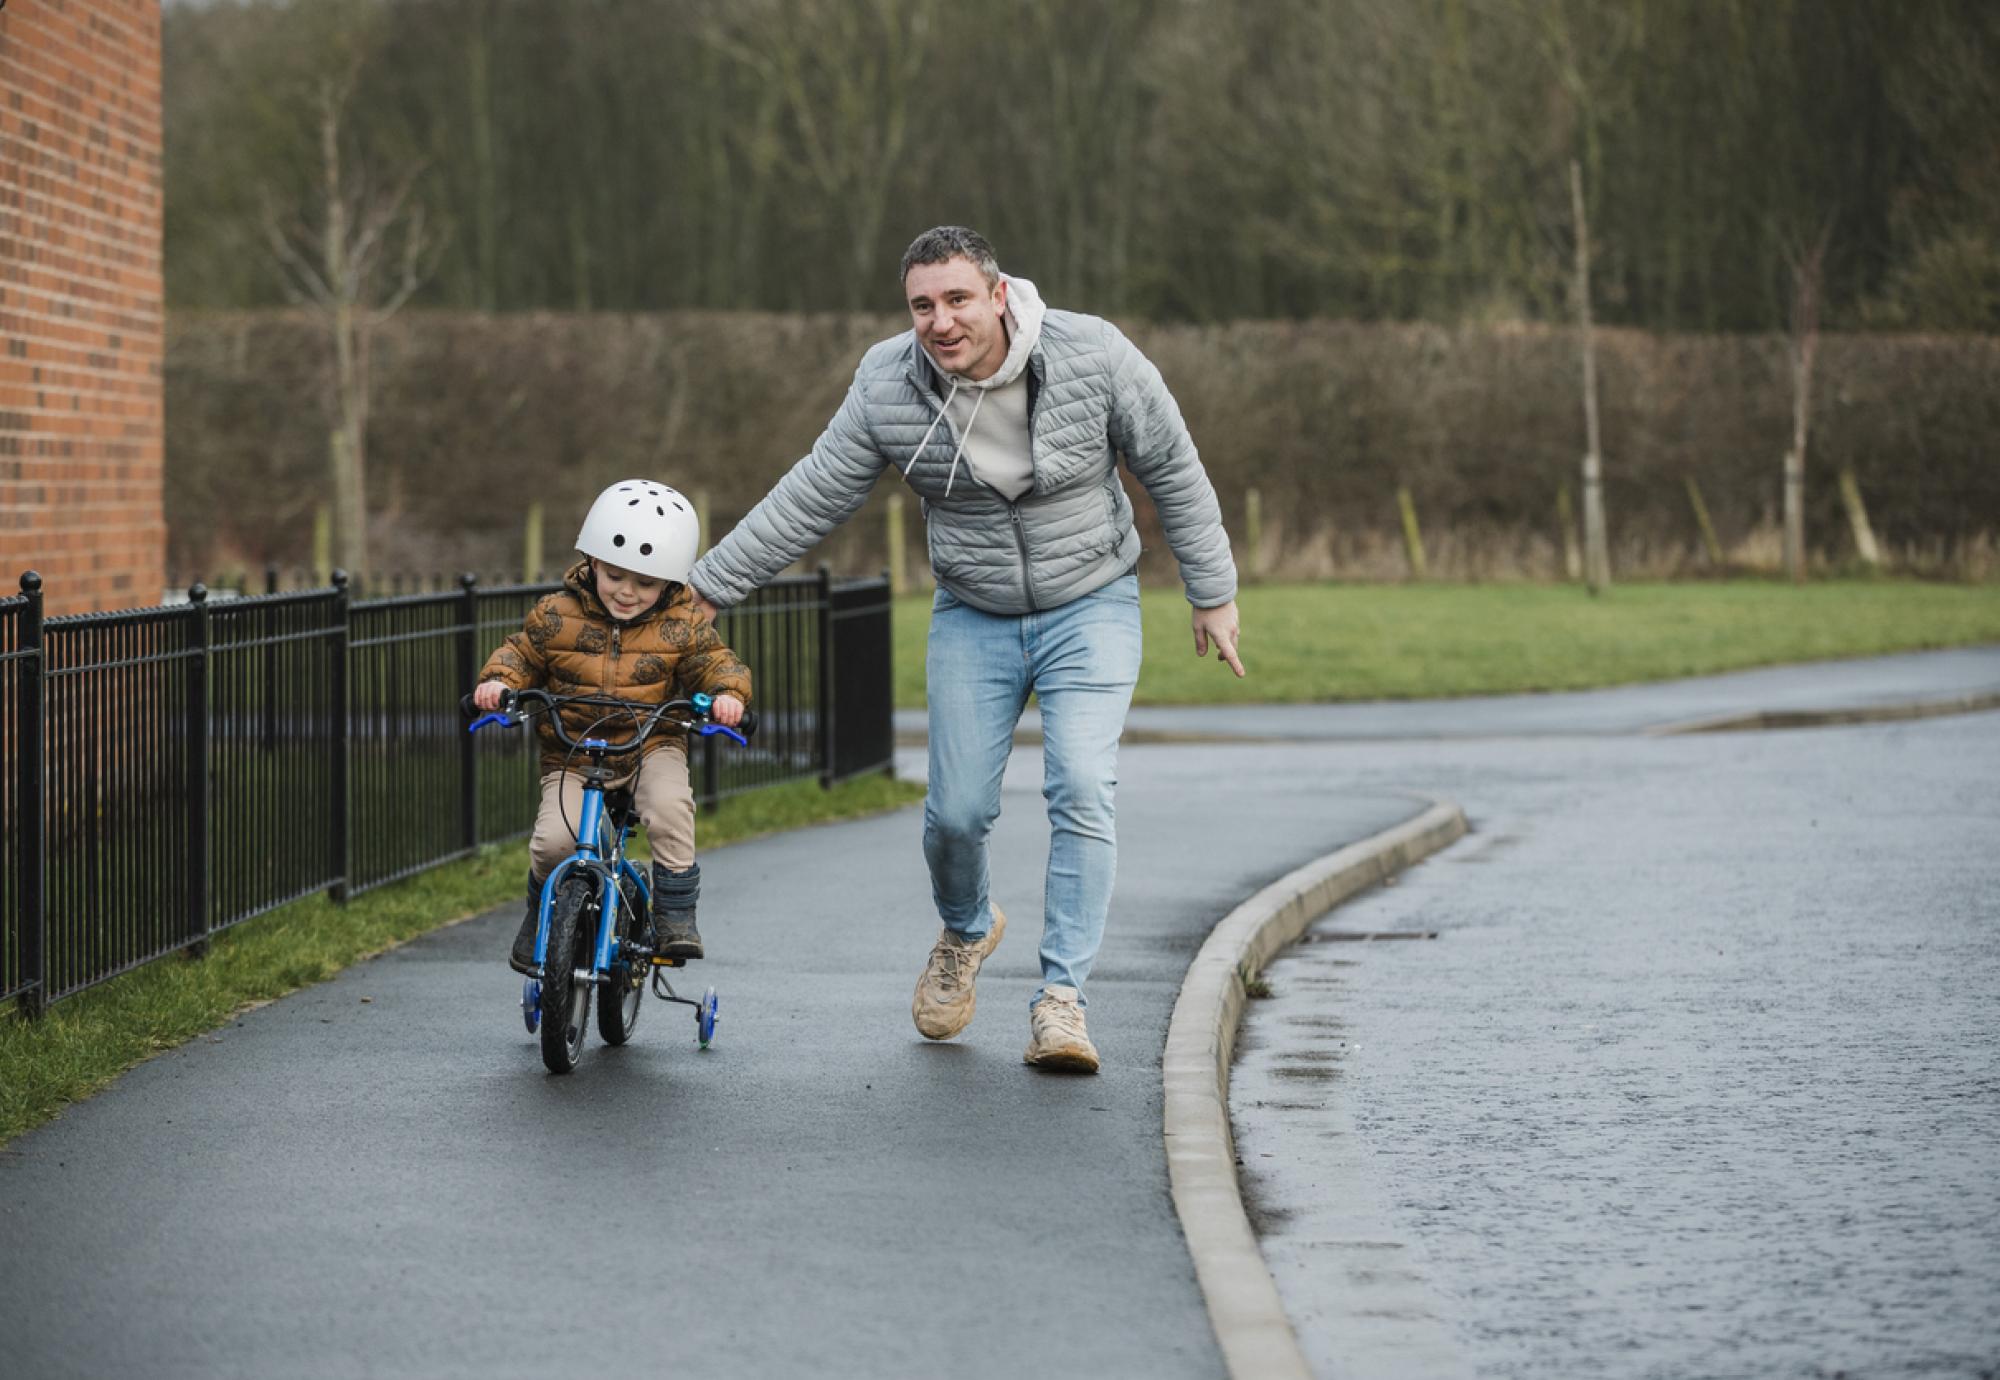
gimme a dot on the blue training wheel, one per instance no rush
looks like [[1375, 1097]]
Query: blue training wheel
[[531, 1004], [704, 1017]]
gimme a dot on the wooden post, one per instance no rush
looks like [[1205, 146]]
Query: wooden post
[[1708, 540], [700, 497], [1795, 516], [531, 545], [1857, 519], [1413, 538], [1253, 530], [1596, 555], [322, 544], [1572, 548], [899, 573]]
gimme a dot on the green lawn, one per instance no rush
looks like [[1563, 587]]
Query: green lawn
[[85, 1042], [1304, 643]]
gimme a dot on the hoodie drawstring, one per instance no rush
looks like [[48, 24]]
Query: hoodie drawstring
[[963, 436]]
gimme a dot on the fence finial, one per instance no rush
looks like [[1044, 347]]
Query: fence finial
[[31, 580], [197, 593], [340, 579]]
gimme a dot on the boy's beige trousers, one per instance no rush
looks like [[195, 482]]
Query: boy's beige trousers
[[666, 807]]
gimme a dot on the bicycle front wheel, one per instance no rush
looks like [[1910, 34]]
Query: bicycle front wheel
[[565, 1001], [618, 1013]]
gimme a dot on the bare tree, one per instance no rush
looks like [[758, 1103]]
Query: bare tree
[[851, 76], [1808, 267], [1596, 555], [352, 257]]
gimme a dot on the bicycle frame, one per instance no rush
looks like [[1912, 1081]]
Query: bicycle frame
[[596, 849]]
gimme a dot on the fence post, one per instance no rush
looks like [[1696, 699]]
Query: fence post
[[341, 738], [31, 795], [201, 881], [468, 751], [823, 713]]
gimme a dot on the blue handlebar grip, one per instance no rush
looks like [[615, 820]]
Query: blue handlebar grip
[[706, 729], [485, 719]]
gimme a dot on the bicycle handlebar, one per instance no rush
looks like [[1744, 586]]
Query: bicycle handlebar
[[653, 716]]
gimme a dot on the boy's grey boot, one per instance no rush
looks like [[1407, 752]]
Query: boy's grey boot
[[522, 960], [674, 897]]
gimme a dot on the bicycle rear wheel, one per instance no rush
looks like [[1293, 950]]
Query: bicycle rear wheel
[[565, 1001], [618, 1013]]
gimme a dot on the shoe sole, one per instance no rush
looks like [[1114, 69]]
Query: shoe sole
[[1063, 1060], [988, 944]]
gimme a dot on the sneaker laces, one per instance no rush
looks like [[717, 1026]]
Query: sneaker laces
[[1064, 1017], [948, 958]]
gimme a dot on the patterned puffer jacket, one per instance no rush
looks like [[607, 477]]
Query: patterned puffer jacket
[[569, 644]]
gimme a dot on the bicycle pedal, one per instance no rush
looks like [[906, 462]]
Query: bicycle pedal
[[661, 961]]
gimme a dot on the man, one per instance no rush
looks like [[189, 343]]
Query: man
[[1007, 418]]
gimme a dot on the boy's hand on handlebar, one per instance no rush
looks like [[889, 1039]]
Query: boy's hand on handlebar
[[726, 710], [487, 696]]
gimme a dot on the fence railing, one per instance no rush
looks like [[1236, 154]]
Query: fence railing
[[173, 771]]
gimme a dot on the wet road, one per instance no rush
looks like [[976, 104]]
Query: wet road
[[1700, 1076], [375, 1177]]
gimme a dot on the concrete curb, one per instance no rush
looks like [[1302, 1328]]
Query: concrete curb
[[1243, 1305], [1764, 719]]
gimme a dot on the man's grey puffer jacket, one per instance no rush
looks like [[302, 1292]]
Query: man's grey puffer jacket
[[1094, 396]]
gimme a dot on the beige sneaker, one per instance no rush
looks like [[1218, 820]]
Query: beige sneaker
[[1058, 1039], [944, 1001]]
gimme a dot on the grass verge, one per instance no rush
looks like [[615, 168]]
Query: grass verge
[[1316, 643], [83, 1043]]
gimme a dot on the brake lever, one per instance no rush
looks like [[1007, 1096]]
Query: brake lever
[[485, 719], [706, 729]]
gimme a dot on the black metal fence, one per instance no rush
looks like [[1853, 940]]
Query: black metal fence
[[170, 772]]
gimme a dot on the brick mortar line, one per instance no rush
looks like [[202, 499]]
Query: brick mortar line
[[1249, 1318]]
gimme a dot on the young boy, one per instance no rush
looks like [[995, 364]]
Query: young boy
[[624, 625]]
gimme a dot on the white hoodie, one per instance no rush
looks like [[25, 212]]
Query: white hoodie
[[991, 414]]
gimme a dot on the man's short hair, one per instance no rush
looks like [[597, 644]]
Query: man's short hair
[[946, 242]]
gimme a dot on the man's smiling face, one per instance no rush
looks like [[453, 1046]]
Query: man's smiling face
[[958, 317]]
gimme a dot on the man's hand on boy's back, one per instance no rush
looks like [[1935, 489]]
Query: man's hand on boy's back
[[703, 607], [487, 694]]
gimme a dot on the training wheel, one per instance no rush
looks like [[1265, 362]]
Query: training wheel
[[531, 1004], [704, 1017]]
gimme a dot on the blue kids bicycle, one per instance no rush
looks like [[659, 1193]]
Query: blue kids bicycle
[[595, 932]]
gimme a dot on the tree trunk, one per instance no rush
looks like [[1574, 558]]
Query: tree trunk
[[1596, 552]]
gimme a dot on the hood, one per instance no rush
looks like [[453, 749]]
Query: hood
[[1025, 310]]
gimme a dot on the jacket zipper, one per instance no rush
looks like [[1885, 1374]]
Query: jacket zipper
[[1021, 543]]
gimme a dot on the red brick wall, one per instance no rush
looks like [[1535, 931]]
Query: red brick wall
[[81, 309]]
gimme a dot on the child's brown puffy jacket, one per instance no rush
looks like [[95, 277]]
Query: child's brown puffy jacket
[[569, 644]]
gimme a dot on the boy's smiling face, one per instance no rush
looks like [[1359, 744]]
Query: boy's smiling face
[[624, 592]]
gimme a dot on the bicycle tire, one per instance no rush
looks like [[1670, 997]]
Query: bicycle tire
[[565, 1004], [618, 1013]]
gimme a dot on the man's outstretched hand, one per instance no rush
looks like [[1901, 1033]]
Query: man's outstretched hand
[[1218, 625]]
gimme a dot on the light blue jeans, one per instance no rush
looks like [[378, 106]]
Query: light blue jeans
[[1081, 662]]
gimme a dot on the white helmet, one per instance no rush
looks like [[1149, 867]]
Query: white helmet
[[644, 527]]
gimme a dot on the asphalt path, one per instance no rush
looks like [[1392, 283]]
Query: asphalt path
[[375, 1176]]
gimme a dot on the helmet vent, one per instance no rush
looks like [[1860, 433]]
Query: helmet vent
[[633, 503], [646, 549], [618, 540]]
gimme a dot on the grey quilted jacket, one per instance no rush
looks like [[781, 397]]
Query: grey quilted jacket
[[1093, 397]]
